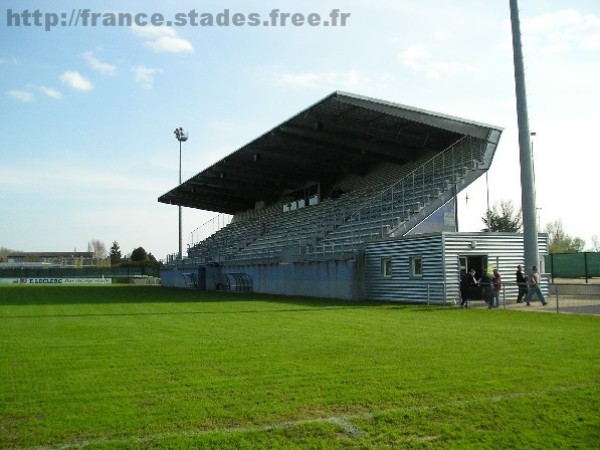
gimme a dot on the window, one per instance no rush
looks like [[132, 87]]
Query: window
[[386, 267], [416, 267]]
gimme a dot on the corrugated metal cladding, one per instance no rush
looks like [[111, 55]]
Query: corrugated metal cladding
[[400, 286], [441, 253]]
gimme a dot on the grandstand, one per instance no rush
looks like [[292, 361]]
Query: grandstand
[[308, 197]]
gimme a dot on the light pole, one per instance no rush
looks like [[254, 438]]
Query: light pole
[[528, 194], [181, 137], [533, 134]]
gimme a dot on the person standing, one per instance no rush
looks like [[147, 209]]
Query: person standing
[[467, 280], [496, 288], [533, 284], [521, 283], [486, 287]]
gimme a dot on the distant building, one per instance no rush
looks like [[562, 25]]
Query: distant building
[[54, 259]]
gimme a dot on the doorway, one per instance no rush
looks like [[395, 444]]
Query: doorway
[[480, 264]]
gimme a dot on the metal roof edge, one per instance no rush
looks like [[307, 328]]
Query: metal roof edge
[[388, 104]]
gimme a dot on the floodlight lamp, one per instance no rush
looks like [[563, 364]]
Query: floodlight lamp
[[180, 135]]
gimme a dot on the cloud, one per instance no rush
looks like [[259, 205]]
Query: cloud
[[103, 68], [144, 76], [310, 80], [415, 56], [22, 96], [50, 176], [558, 32], [51, 92], [565, 30], [168, 44], [337, 79], [76, 81], [419, 59], [12, 61], [163, 39]]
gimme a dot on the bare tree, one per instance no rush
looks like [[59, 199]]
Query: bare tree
[[97, 248]]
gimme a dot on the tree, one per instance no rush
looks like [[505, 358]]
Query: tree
[[139, 254], [97, 248], [115, 254], [4, 252], [502, 218], [559, 241], [595, 243]]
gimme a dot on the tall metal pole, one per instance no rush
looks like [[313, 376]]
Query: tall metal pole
[[528, 201], [181, 137], [180, 225]]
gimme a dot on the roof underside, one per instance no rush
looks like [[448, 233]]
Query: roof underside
[[341, 135]]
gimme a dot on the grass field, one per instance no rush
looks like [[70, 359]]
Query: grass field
[[149, 367]]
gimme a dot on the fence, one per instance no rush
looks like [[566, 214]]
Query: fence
[[573, 265], [569, 298], [77, 272], [574, 298]]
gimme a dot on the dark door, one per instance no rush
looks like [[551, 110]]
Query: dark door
[[477, 262], [202, 278]]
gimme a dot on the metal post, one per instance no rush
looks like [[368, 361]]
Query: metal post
[[528, 201], [180, 226], [181, 137]]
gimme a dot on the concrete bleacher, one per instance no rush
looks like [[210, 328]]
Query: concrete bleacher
[[369, 207]]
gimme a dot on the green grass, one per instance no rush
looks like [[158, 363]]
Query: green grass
[[148, 367]]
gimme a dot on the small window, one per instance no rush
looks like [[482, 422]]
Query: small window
[[416, 267], [386, 267]]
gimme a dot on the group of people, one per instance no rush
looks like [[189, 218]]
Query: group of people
[[491, 286], [529, 285]]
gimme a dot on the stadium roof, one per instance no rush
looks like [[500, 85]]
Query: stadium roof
[[340, 135]]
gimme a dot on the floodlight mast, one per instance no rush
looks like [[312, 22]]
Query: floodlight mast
[[528, 200], [181, 136]]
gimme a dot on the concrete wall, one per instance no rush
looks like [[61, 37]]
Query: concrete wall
[[330, 279], [172, 277]]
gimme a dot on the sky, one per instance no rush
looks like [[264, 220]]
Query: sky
[[87, 112]]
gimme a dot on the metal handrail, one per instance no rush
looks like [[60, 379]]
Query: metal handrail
[[415, 181]]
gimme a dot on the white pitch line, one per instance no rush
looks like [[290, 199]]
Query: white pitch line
[[342, 421]]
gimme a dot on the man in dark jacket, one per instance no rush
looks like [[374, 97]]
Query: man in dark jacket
[[466, 281], [521, 283], [486, 288]]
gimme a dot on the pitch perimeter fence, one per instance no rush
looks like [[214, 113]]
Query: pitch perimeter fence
[[78, 272], [564, 297], [573, 265]]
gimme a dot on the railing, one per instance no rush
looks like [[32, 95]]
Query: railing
[[412, 193], [393, 206], [209, 228], [568, 297]]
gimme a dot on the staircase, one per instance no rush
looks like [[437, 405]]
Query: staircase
[[397, 209]]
